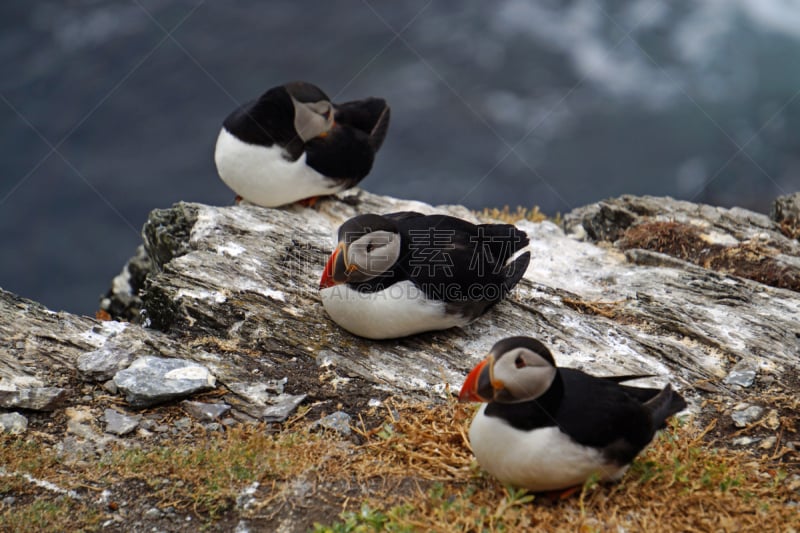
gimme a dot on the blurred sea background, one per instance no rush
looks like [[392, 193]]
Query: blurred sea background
[[109, 109]]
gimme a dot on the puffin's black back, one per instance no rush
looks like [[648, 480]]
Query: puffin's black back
[[595, 412], [453, 260]]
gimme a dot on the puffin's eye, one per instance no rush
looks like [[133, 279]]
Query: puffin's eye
[[519, 362], [369, 247]]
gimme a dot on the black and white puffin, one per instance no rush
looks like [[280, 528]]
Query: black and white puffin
[[546, 428], [292, 144], [403, 273]]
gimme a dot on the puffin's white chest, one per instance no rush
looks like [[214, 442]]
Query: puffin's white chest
[[538, 460], [261, 174], [399, 310]]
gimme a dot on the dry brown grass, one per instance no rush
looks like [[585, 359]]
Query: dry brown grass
[[510, 217], [414, 472], [684, 241]]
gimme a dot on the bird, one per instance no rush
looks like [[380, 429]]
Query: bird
[[399, 274], [546, 429], [292, 144]]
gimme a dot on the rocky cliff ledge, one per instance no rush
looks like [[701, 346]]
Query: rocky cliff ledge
[[223, 302]]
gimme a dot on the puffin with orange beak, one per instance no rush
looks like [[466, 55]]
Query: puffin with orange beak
[[403, 273], [293, 143], [545, 428]]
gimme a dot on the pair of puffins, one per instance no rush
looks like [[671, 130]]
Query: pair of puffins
[[540, 427]]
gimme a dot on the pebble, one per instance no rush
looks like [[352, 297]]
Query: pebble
[[119, 423], [338, 422], [768, 443], [13, 423], [152, 380], [748, 415], [205, 411], [743, 375]]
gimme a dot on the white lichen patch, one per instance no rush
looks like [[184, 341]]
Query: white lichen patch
[[230, 248], [719, 238], [99, 334], [562, 262], [201, 294], [193, 372]]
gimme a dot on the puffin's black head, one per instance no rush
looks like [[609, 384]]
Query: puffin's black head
[[368, 246], [517, 369]]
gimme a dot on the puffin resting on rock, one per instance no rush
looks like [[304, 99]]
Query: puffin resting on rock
[[293, 143], [545, 428], [403, 273]]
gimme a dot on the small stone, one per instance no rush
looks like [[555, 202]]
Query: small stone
[[13, 423], [745, 441], [15, 395], [768, 443], [153, 514], [374, 402], [151, 380], [161, 428], [214, 426], [8, 501], [747, 415], [338, 422], [283, 406], [183, 423], [103, 363], [772, 420], [229, 421], [111, 387], [205, 411], [260, 393], [743, 374], [120, 424]]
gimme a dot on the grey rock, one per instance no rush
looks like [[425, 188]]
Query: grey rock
[[745, 441], [153, 514], [205, 411], [747, 415], [111, 387], [9, 501], [13, 423], [259, 393], [261, 401], [13, 396], [282, 406], [183, 423], [214, 426], [152, 380], [743, 374], [246, 278], [120, 424], [116, 354], [338, 422]]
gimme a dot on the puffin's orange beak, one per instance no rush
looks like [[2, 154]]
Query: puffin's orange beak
[[335, 269], [480, 385]]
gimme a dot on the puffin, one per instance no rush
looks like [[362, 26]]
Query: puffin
[[399, 274], [547, 429], [293, 144]]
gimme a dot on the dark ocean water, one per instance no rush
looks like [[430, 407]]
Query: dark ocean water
[[109, 109]]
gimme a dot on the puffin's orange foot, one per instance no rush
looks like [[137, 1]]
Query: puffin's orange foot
[[309, 202], [237, 200], [561, 495]]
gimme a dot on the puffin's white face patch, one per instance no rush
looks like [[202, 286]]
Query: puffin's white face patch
[[399, 310]]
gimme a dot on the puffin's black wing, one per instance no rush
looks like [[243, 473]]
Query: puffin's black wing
[[459, 262], [370, 115]]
